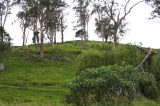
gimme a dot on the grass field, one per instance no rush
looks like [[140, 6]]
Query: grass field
[[28, 82]]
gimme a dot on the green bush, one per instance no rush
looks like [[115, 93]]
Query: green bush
[[109, 56], [111, 84], [148, 86], [89, 59], [4, 43]]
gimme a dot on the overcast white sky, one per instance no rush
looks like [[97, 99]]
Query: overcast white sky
[[140, 28]]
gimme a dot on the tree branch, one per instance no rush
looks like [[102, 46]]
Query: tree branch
[[147, 56], [110, 12], [6, 12], [125, 7], [127, 12]]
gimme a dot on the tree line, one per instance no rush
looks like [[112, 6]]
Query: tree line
[[47, 17]]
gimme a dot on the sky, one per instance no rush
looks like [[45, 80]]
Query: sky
[[141, 29]]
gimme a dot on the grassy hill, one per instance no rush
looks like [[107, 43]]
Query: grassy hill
[[29, 82]]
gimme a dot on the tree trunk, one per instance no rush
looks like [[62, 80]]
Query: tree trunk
[[146, 58], [85, 36], [115, 38], [103, 39], [26, 39], [55, 41], [41, 52], [41, 44], [62, 36], [1, 66], [106, 38], [87, 31], [102, 32], [62, 29], [24, 36], [51, 39], [1, 20]]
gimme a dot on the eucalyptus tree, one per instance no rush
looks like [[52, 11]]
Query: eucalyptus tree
[[41, 13], [23, 17], [52, 24], [83, 14], [63, 26], [51, 27], [117, 12], [102, 22], [5, 10], [103, 26]]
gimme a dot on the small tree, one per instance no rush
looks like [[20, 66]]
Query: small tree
[[83, 14], [4, 46], [62, 26], [104, 26], [117, 12], [5, 10], [41, 13], [23, 17]]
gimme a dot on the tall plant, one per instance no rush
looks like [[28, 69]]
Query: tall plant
[[117, 13], [83, 14], [43, 14], [5, 43]]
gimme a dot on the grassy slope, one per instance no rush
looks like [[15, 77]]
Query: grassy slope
[[28, 82]]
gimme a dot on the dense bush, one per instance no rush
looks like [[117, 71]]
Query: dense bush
[[4, 43], [90, 58], [109, 56], [111, 84]]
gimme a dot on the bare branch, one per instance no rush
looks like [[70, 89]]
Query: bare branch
[[110, 12], [125, 7], [118, 16], [6, 12], [126, 13]]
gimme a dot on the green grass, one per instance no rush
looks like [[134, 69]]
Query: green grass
[[28, 82], [25, 79]]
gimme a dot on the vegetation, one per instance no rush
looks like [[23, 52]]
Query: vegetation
[[5, 43], [42, 83], [99, 73], [110, 85]]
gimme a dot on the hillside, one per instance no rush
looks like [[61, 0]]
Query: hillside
[[27, 81]]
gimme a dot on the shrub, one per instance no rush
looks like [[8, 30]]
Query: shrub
[[109, 56], [108, 85], [4, 43], [89, 59], [148, 86]]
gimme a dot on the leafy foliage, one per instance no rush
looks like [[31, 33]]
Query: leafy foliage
[[110, 85], [4, 43], [156, 5], [106, 55], [91, 58]]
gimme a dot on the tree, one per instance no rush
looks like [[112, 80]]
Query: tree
[[82, 12], [117, 13], [23, 17], [102, 21], [52, 25], [5, 10], [41, 14], [62, 26], [147, 58], [156, 5], [4, 45], [104, 26]]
